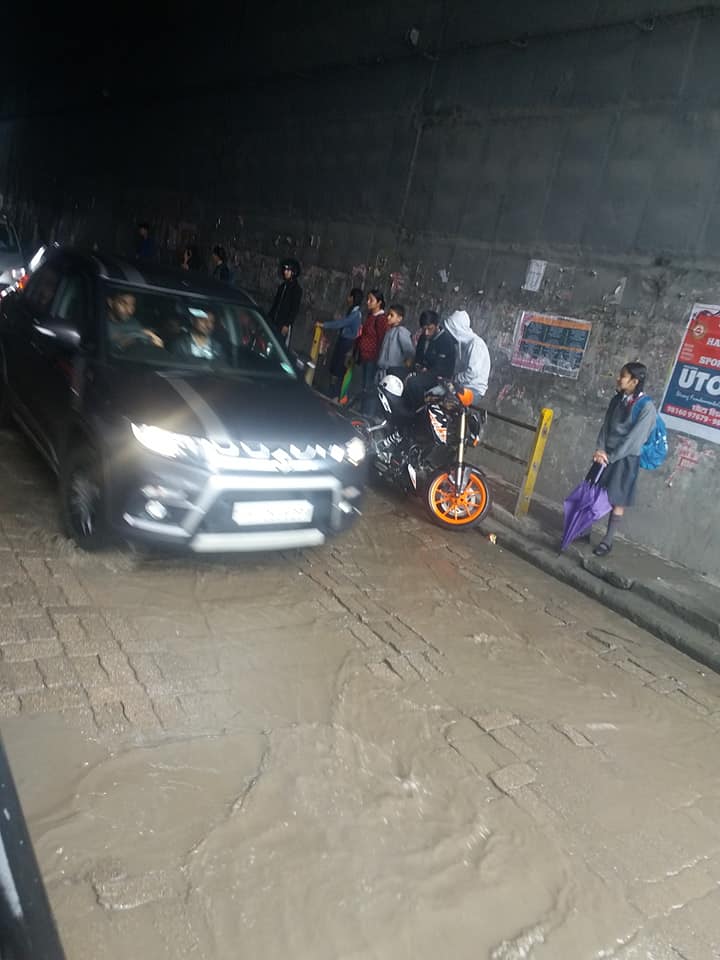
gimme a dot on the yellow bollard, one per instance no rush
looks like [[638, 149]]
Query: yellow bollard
[[533, 468], [314, 354]]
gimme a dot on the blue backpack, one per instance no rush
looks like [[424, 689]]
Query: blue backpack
[[655, 448]]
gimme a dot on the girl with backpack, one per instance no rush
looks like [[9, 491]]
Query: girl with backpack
[[629, 424]]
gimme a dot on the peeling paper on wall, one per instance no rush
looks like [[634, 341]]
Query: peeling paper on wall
[[618, 293], [534, 275]]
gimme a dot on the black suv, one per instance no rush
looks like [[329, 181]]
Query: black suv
[[170, 411]]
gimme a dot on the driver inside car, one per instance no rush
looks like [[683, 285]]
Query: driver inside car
[[123, 328]]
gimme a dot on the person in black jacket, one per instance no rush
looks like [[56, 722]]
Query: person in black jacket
[[221, 271], [436, 349], [286, 304], [434, 358]]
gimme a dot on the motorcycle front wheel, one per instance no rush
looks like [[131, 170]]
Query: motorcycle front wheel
[[450, 507]]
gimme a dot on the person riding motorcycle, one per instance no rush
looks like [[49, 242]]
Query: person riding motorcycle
[[472, 366], [472, 363], [436, 349], [422, 448]]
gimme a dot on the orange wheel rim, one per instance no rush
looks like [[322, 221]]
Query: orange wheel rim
[[457, 508]]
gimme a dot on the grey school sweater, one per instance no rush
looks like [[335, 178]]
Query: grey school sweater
[[621, 437], [396, 348]]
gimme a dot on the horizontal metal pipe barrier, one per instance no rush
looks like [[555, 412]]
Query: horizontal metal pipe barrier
[[532, 462]]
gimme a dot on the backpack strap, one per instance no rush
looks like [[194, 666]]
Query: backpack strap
[[638, 405]]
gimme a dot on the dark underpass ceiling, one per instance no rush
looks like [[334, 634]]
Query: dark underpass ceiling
[[142, 53]]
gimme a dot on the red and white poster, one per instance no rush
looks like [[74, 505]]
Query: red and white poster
[[692, 396]]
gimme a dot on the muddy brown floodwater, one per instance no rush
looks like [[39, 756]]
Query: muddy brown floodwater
[[405, 744]]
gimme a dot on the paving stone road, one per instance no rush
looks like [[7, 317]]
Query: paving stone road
[[403, 743]]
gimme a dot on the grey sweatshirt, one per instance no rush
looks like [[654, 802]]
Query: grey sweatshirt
[[621, 436], [472, 367], [396, 348]]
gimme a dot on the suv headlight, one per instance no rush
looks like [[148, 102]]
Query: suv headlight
[[17, 272], [167, 444], [355, 451]]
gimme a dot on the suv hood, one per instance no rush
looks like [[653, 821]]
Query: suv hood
[[221, 408]]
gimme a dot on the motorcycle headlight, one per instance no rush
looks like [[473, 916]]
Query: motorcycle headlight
[[174, 446], [355, 451]]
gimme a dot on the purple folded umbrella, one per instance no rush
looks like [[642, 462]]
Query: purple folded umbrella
[[587, 503]]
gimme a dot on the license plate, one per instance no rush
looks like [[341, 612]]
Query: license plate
[[258, 512]]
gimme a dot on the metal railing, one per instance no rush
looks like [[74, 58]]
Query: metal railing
[[314, 354], [532, 462]]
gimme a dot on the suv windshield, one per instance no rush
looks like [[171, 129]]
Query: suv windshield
[[171, 330], [8, 240]]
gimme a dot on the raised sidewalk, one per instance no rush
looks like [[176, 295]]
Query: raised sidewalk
[[678, 605]]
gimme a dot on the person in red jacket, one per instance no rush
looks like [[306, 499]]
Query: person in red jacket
[[368, 347]]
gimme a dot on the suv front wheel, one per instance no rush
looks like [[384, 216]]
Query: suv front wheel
[[82, 501]]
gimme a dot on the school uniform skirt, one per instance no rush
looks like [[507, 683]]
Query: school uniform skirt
[[619, 480]]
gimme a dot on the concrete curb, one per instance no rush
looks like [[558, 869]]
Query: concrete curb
[[662, 615]]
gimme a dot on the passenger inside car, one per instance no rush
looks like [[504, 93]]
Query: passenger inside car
[[200, 341], [122, 326], [248, 332]]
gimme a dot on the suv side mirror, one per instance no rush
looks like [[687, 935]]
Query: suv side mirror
[[59, 333], [301, 361]]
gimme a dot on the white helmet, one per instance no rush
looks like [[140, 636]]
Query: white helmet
[[392, 385]]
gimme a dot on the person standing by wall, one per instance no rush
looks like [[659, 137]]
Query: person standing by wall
[[190, 259], [368, 347], [397, 350], [349, 327], [619, 444], [220, 269], [286, 304], [144, 243]]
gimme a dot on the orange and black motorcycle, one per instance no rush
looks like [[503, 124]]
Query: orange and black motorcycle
[[424, 450]]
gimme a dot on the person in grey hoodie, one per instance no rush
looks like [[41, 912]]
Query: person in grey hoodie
[[472, 366], [397, 350]]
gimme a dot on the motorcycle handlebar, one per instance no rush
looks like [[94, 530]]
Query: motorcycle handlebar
[[448, 390]]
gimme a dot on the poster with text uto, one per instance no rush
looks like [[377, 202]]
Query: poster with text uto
[[692, 396], [550, 344]]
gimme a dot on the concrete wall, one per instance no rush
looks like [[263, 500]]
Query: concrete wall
[[585, 134]]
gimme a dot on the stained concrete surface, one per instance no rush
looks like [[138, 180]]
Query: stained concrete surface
[[403, 744], [677, 605]]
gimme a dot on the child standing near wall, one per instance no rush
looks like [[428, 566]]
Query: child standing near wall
[[620, 441], [397, 350], [368, 347]]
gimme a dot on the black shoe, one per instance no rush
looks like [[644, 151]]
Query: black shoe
[[602, 549]]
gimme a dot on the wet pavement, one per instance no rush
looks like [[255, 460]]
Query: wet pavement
[[404, 744]]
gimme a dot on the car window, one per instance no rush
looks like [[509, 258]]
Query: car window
[[170, 330], [41, 289], [71, 305], [8, 239]]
